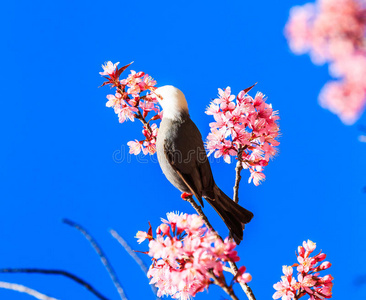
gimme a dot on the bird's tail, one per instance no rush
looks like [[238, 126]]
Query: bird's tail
[[234, 216]]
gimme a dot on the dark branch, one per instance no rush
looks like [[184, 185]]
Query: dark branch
[[224, 286], [246, 288], [238, 168], [102, 257], [73, 277]]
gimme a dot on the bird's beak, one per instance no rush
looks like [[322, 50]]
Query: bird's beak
[[153, 89]]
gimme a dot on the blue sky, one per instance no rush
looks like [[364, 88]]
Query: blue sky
[[59, 140]]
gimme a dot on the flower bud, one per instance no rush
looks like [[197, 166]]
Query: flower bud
[[320, 256], [327, 279], [242, 270], [301, 250], [263, 163], [325, 265], [246, 277]]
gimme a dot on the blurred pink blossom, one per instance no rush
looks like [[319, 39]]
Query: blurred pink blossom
[[246, 128], [333, 31], [186, 256], [308, 279]]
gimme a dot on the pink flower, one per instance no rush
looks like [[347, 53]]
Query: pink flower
[[137, 83], [186, 255], [286, 289], [146, 83], [256, 176], [135, 147], [109, 68], [129, 103], [112, 101], [141, 236], [287, 270], [333, 31], [309, 282], [149, 143], [224, 96], [344, 99], [125, 112], [309, 246], [247, 128], [306, 282]]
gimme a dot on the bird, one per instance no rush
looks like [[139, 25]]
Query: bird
[[183, 160]]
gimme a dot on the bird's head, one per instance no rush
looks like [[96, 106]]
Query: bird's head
[[172, 100]]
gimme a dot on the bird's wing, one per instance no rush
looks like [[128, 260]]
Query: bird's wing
[[187, 178]]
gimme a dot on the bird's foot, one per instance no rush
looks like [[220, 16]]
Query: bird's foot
[[185, 196]]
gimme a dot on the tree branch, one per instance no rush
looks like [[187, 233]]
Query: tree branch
[[73, 277], [228, 290], [135, 257], [238, 168], [24, 289], [102, 257], [247, 290]]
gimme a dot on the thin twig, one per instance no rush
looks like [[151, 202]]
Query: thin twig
[[23, 289], [238, 168], [228, 290], [135, 257], [246, 288], [82, 282], [102, 257], [227, 269]]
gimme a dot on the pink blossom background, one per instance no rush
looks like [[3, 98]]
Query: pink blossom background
[[334, 32]]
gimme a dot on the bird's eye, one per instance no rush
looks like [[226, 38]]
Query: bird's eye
[[159, 96]]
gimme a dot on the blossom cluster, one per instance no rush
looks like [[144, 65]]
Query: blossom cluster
[[187, 257], [132, 101], [308, 280], [333, 31], [246, 129]]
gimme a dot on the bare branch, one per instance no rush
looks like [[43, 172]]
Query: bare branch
[[228, 290], [238, 168], [102, 257], [24, 289], [247, 290], [73, 277], [135, 257], [129, 250]]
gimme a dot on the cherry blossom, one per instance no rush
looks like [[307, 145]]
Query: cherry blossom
[[187, 257], [308, 280], [246, 129], [333, 31], [129, 103], [109, 68]]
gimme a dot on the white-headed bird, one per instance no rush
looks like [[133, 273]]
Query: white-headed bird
[[183, 160]]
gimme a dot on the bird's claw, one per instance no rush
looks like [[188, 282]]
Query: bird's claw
[[185, 196]]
